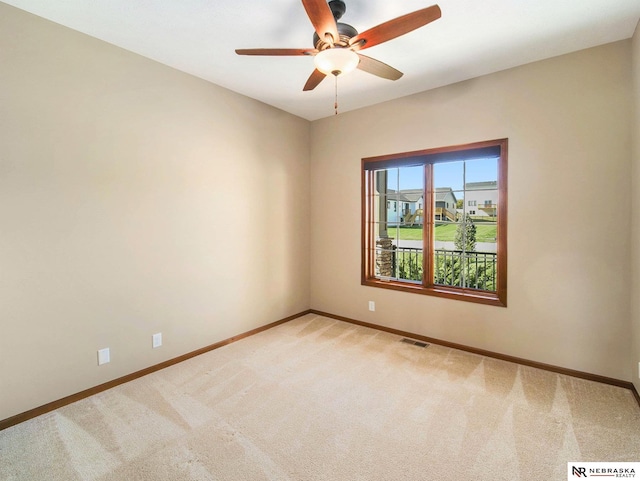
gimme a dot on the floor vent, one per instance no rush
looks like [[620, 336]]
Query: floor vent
[[414, 342]]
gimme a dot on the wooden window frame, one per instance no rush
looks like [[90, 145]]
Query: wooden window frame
[[368, 278]]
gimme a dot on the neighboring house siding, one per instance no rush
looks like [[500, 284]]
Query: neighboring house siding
[[402, 205], [445, 204], [481, 199], [392, 211]]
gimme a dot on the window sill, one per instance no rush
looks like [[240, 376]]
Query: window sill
[[467, 295]]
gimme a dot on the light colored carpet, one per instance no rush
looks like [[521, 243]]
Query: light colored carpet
[[319, 399]]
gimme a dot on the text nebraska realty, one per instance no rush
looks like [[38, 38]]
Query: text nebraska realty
[[612, 472]]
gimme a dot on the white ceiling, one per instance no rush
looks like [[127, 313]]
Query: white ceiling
[[473, 37]]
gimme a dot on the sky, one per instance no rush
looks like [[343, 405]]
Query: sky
[[446, 174]]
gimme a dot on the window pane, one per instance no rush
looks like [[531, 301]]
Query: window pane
[[411, 178], [465, 255], [383, 230], [410, 235], [409, 264], [448, 181], [408, 260], [391, 180], [409, 251], [393, 209], [446, 256], [480, 270], [481, 189], [444, 235], [447, 267], [398, 222], [486, 236], [481, 170], [449, 175]]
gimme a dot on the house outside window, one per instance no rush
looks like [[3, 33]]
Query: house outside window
[[484, 195], [436, 249]]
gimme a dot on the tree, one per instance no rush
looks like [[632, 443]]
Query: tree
[[465, 239], [459, 203]]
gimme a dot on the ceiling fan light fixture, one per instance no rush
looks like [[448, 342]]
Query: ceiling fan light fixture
[[336, 61]]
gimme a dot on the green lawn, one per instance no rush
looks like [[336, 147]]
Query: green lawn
[[447, 233], [407, 233]]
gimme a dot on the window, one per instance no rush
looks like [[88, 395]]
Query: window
[[442, 252]]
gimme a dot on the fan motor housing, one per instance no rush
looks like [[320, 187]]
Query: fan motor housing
[[345, 31]]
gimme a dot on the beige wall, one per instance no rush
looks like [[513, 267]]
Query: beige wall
[[567, 120], [635, 219], [134, 199]]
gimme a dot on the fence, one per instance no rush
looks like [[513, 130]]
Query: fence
[[473, 270]]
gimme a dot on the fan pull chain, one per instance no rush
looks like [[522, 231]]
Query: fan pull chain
[[335, 105]]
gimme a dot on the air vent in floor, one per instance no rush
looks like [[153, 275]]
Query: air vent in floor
[[414, 342]]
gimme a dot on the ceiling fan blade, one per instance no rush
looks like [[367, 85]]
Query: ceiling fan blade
[[396, 27], [321, 18], [376, 67], [276, 51], [316, 77]]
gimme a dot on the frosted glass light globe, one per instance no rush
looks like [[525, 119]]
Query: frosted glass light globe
[[336, 61]]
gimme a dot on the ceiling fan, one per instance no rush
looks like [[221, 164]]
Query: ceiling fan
[[337, 44]]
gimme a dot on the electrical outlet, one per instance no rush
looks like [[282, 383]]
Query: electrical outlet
[[372, 306], [104, 356], [156, 340]]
